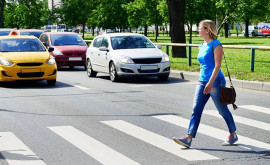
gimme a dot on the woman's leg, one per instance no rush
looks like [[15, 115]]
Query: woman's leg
[[200, 99], [222, 108]]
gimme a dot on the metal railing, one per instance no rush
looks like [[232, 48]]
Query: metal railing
[[253, 48]]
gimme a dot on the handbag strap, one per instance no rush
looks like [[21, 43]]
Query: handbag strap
[[226, 66], [227, 70]]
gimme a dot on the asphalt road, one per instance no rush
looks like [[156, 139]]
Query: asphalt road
[[92, 121]]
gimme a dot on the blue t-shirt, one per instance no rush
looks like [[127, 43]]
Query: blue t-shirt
[[206, 59]]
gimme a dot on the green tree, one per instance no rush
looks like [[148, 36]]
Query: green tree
[[74, 12], [110, 14], [144, 13], [2, 5], [25, 13], [197, 10]]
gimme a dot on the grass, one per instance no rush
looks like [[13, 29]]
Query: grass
[[238, 60]]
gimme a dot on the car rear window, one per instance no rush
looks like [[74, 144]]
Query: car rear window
[[21, 45], [4, 33], [64, 40], [130, 42], [36, 34]]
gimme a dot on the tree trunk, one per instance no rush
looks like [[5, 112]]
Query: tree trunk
[[226, 28], [190, 33], [246, 30], [83, 30], [2, 4], [177, 30], [145, 30], [156, 27]]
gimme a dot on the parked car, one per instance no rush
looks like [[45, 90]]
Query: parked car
[[25, 58], [5, 32], [126, 54], [30, 32], [69, 48]]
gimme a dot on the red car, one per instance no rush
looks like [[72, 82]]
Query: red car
[[69, 48]]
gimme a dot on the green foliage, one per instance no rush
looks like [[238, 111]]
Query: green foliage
[[25, 14]]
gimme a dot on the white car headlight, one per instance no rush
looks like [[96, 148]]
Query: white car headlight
[[57, 52], [126, 59], [5, 62], [51, 61], [165, 58]]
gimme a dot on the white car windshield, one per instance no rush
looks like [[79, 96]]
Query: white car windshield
[[130, 42]]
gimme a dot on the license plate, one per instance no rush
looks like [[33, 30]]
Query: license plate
[[30, 70], [149, 67], [75, 58]]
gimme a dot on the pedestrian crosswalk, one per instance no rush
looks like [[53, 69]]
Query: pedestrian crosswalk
[[16, 152]]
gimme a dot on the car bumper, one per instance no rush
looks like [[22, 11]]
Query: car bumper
[[70, 61], [143, 69], [14, 73]]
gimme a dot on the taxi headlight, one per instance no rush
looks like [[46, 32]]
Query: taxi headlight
[[126, 59], [5, 62], [165, 58], [57, 52], [51, 61]]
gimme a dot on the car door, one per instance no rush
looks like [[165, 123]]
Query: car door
[[103, 55], [94, 54]]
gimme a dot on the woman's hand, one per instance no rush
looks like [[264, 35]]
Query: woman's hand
[[207, 88]]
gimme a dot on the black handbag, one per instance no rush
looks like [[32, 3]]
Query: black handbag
[[228, 94]]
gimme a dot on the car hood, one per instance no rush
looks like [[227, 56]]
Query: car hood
[[71, 48], [139, 53], [25, 56]]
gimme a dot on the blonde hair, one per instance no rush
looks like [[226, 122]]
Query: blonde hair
[[211, 26]]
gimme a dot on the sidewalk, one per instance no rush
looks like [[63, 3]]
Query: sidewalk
[[194, 76]]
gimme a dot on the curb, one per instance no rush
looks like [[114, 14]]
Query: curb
[[194, 76]]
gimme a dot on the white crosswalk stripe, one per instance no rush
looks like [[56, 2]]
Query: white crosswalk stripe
[[158, 141], [242, 120], [92, 147], [16, 152], [217, 133], [256, 108]]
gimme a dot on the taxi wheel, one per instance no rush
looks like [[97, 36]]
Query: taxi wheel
[[51, 82], [89, 70], [113, 73]]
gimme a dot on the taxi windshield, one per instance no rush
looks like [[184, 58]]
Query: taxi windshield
[[21, 45], [64, 40]]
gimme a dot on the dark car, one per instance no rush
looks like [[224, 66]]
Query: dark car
[[69, 48], [5, 32], [30, 32]]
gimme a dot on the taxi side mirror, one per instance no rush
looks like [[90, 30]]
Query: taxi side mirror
[[51, 49]]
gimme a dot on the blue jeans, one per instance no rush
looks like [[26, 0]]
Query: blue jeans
[[200, 99]]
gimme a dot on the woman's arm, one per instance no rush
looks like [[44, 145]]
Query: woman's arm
[[218, 53]]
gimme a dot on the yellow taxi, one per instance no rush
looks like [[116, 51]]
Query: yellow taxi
[[26, 58]]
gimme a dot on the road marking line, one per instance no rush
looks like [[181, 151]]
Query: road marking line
[[81, 87], [16, 152], [256, 108], [158, 141], [245, 142], [92, 147], [242, 120]]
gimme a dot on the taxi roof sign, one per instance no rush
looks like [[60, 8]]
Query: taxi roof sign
[[13, 33]]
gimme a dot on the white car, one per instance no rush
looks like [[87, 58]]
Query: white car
[[126, 54]]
